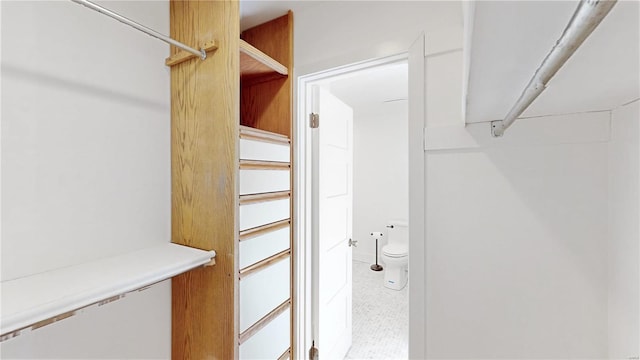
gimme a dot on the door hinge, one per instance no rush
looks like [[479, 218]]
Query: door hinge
[[314, 120], [313, 352]]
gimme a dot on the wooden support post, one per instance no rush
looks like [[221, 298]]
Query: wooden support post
[[204, 168]]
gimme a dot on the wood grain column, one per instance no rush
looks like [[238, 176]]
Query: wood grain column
[[204, 133]]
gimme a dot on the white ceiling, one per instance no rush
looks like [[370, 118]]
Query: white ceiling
[[256, 12], [370, 88], [511, 38]]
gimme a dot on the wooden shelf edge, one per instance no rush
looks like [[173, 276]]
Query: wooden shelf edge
[[257, 63], [264, 165], [256, 198], [34, 301], [264, 263], [183, 56], [264, 321], [285, 355], [257, 231], [249, 133]]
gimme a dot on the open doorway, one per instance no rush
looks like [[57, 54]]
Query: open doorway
[[374, 315]]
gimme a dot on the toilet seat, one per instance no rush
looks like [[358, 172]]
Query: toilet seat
[[395, 250]]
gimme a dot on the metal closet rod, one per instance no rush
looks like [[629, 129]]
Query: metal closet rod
[[201, 53], [585, 19]]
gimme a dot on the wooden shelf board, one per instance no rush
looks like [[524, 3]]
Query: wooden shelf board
[[253, 232], [254, 63], [262, 197], [247, 132], [264, 165], [286, 355], [264, 263], [41, 299]]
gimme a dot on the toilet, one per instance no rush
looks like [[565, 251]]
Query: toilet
[[395, 255]]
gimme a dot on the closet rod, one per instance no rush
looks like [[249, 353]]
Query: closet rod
[[585, 19], [201, 53]]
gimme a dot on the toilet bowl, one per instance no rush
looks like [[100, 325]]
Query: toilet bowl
[[395, 256]]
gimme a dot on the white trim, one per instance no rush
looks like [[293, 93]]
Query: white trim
[[417, 226], [302, 196], [1, 122], [469, 13]]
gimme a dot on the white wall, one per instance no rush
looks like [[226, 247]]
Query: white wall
[[624, 232], [516, 243], [443, 88], [380, 174], [136, 327], [85, 163], [533, 286], [353, 31]]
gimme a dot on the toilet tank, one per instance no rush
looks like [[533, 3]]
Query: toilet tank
[[397, 232]]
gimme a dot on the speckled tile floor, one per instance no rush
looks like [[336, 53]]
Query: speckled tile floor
[[380, 317]]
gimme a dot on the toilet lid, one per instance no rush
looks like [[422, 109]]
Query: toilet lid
[[395, 250]]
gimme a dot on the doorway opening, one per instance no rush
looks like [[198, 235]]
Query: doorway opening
[[375, 316]]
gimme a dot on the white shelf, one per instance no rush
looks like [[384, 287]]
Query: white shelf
[[37, 300]]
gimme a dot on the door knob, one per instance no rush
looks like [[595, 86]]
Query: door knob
[[353, 243]]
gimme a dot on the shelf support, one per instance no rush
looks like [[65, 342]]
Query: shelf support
[[183, 56]]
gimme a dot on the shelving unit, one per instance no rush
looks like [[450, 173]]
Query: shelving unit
[[265, 238], [34, 301], [204, 177], [231, 184]]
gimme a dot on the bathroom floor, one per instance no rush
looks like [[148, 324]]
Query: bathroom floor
[[380, 317]]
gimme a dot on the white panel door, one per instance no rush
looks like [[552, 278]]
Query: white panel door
[[332, 192]]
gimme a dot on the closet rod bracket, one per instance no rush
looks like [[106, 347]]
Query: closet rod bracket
[[497, 128]]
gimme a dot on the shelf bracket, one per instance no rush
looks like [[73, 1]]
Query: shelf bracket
[[211, 262], [497, 128], [183, 56]]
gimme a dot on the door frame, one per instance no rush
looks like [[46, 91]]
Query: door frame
[[303, 276]]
